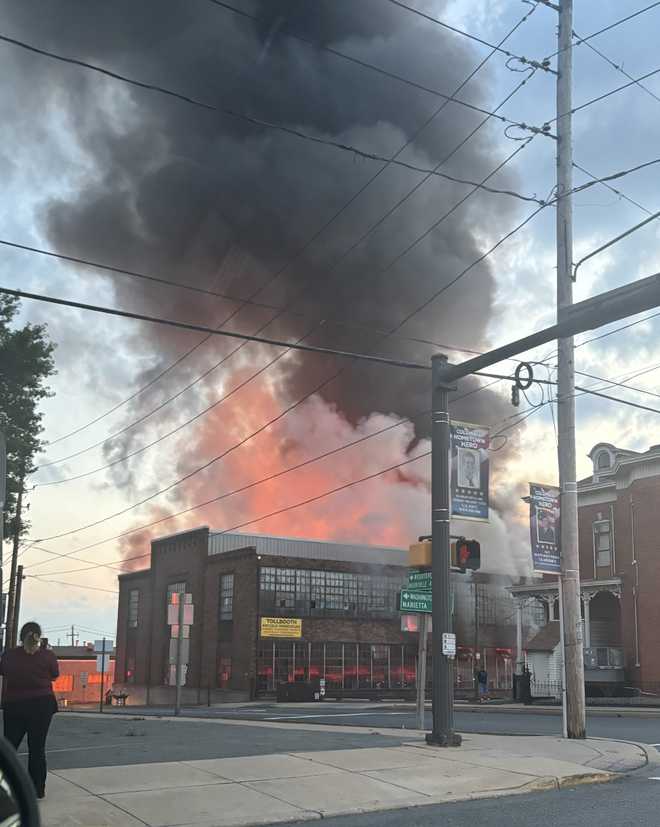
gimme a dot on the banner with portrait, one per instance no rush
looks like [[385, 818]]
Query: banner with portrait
[[469, 471], [544, 526]]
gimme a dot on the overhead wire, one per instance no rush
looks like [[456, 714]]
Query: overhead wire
[[336, 215], [251, 119], [612, 26], [126, 314], [581, 392], [403, 199]]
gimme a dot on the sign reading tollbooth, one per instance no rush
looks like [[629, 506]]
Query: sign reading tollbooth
[[281, 627]]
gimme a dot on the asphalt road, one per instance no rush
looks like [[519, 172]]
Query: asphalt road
[[633, 726], [628, 802], [92, 741]]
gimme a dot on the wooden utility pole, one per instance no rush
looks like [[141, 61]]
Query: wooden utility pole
[[570, 561], [17, 603], [11, 600]]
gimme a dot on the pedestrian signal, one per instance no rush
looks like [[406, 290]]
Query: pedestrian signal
[[466, 554]]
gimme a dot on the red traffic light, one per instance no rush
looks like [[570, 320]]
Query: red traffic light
[[467, 555]]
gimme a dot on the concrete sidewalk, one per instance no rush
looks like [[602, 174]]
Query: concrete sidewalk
[[270, 789]]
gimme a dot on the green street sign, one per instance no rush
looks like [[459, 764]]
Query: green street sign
[[420, 581], [415, 601]]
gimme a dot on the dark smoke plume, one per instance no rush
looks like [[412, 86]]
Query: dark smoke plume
[[192, 195]]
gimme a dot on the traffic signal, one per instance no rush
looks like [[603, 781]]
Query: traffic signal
[[515, 396], [466, 554]]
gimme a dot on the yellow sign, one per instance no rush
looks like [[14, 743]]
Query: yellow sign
[[281, 627]]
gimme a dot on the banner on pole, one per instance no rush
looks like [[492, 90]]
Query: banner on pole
[[470, 466], [544, 528]]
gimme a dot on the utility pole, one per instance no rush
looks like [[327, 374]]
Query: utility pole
[[73, 636], [421, 669], [570, 562], [3, 494], [11, 600], [17, 603], [102, 673], [443, 734], [179, 654], [477, 661]]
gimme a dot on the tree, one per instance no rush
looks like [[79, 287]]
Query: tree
[[26, 363]]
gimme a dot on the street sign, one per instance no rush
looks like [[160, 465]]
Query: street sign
[[174, 631], [415, 601], [185, 650], [103, 662], [420, 581], [172, 675], [99, 644], [449, 644]]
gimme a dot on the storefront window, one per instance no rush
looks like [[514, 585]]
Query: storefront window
[[326, 593], [334, 665]]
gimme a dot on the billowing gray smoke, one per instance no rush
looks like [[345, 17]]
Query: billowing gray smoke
[[196, 196]]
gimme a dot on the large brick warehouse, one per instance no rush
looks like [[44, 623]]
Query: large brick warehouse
[[341, 600]]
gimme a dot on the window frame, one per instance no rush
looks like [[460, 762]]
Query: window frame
[[602, 556], [133, 608], [226, 597]]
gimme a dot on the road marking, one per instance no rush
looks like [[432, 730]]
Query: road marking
[[78, 749], [332, 715], [654, 778]]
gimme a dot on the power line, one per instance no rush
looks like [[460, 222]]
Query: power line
[[242, 116], [608, 186], [307, 501], [383, 218], [72, 585], [616, 66], [344, 207], [610, 26], [111, 311], [536, 64], [467, 269], [131, 425], [323, 456], [605, 95]]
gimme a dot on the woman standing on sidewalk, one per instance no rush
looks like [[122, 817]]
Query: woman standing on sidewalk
[[28, 700]]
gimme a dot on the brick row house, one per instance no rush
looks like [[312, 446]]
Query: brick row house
[[619, 545]]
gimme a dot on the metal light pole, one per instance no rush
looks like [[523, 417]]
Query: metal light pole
[[179, 654], [570, 560], [443, 667]]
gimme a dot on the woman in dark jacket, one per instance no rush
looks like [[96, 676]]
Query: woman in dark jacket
[[28, 700]]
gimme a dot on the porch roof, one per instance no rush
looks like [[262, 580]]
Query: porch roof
[[545, 589]]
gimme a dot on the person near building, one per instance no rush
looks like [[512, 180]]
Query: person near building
[[482, 680], [28, 700]]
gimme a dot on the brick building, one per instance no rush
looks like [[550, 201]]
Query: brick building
[[342, 597], [619, 569], [79, 682]]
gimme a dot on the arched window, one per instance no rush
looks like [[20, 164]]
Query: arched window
[[603, 460]]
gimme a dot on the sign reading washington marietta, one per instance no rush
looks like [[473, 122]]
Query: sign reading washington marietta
[[544, 527], [470, 466]]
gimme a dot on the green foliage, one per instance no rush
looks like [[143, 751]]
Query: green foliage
[[26, 363]]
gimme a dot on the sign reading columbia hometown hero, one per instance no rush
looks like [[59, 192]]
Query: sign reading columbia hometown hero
[[544, 528], [469, 471]]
